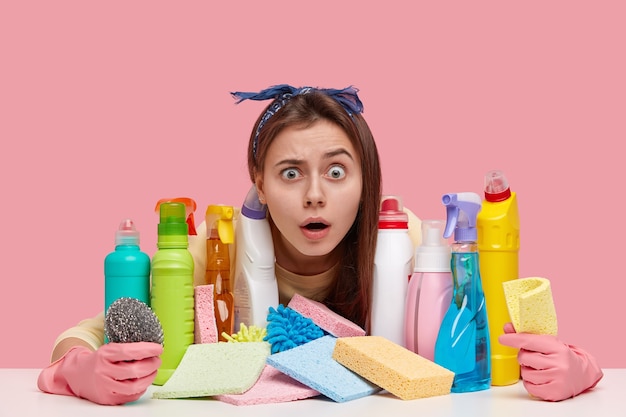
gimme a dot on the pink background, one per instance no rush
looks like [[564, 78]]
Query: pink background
[[106, 108]]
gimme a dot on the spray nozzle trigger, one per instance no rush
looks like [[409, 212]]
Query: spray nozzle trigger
[[461, 212], [190, 208], [220, 218], [452, 215]]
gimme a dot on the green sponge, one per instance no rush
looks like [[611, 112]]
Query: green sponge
[[216, 368]]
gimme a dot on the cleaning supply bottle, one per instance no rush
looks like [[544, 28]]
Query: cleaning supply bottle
[[220, 234], [256, 289], [392, 270], [430, 290], [462, 344], [498, 247], [172, 296], [127, 268]]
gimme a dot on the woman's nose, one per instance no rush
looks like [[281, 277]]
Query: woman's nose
[[314, 195]]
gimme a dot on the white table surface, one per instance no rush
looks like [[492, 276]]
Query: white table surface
[[19, 396]]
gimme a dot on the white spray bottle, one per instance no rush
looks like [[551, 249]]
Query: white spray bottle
[[256, 289], [430, 290]]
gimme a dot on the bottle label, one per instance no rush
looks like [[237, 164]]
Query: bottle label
[[243, 308]]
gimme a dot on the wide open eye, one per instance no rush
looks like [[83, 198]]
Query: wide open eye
[[336, 172], [290, 174]]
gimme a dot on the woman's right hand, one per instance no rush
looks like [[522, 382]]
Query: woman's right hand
[[114, 374]]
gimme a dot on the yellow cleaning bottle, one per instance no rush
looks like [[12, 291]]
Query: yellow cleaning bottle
[[498, 246], [220, 234]]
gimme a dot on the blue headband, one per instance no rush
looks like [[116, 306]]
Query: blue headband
[[282, 93]]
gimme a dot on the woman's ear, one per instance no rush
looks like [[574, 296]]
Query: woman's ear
[[258, 181]]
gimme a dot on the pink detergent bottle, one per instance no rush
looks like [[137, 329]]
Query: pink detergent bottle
[[430, 290]]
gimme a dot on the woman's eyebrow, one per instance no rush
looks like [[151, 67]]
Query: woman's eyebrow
[[340, 151], [327, 155], [288, 161]]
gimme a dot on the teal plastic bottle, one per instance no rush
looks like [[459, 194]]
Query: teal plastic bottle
[[462, 344], [127, 268], [172, 295]]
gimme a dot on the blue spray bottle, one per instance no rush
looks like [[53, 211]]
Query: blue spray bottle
[[462, 344]]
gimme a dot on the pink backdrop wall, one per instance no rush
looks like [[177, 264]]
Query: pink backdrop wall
[[107, 107]]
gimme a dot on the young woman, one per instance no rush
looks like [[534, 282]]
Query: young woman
[[315, 164]]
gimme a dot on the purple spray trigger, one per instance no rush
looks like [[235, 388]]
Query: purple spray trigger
[[452, 213], [461, 211]]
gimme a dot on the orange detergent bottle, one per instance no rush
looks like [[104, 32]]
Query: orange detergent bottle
[[220, 234]]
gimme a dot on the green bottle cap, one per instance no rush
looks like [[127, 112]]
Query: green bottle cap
[[172, 229]]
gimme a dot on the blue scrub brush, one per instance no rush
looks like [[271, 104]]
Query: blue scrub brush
[[287, 329], [130, 320]]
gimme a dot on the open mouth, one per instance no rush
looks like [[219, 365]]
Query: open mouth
[[316, 226]]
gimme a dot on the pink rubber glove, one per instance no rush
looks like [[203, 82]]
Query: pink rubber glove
[[552, 370], [114, 374]]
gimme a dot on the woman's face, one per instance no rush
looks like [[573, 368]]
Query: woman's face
[[312, 184]]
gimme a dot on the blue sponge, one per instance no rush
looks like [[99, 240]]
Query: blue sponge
[[312, 365]]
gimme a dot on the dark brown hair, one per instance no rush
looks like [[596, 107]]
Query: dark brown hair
[[351, 292]]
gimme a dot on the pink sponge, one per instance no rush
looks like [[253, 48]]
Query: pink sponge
[[205, 329], [272, 386], [324, 317]]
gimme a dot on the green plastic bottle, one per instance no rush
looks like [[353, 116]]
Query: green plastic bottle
[[172, 295]]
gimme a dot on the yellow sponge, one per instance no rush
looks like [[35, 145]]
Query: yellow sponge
[[530, 305], [392, 367]]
